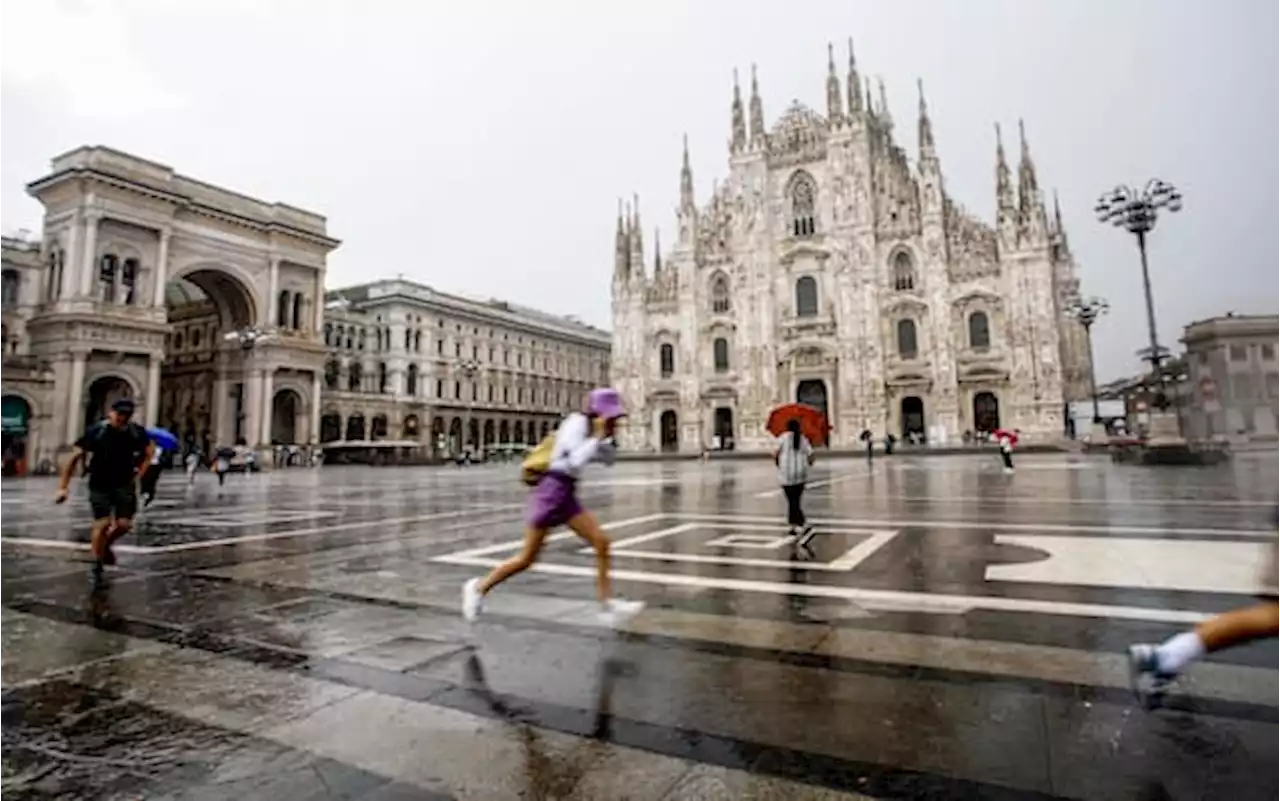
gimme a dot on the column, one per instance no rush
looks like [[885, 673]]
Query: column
[[162, 269], [218, 411], [75, 398], [153, 392], [318, 307], [273, 288], [268, 396], [89, 257], [315, 408], [71, 260]]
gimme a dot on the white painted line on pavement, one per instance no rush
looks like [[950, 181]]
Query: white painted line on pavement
[[814, 484], [922, 601], [1030, 528]]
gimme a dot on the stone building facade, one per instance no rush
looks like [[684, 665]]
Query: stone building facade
[[408, 362], [1232, 378], [831, 269], [144, 282]]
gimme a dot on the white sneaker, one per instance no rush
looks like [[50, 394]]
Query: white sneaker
[[471, 599], [617, 611]]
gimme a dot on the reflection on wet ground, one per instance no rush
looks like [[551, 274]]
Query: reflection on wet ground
[[953, 633]]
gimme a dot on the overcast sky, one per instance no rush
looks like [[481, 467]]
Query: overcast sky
[[480, 147]]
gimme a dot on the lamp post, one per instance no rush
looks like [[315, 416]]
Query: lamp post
[[468, 369], [1125, 207], [1086, 311], [247, 338]]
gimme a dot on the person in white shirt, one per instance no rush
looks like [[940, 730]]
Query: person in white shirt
[[794, 455], [581, 439]]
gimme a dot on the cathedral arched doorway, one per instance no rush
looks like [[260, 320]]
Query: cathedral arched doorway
[[813, 392], [668, 432], [103, 392], [205, 397], [519, 435], [504, 432], [912, 409], [986, 412], [722, 428], [455, 435], [489, 433], [330, 427], [378, 428], [286, 411], [355, 427]]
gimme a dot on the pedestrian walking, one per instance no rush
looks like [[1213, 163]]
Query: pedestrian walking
[[193, 464], [151, 476], [554, 468], [118, 450], [221, 465], [1006, 440], [1154, 668], [793, 456]]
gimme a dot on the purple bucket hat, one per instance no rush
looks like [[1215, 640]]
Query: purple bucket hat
[[605, 402]]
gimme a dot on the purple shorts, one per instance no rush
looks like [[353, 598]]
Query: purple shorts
[[553, 502]]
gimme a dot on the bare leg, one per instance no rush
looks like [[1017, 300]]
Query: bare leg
[[97, 537], [533, 538], [584, 525], [1239, 626]]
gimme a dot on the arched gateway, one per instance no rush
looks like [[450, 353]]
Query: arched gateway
[[183, 276]]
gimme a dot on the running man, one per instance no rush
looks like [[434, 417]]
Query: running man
[[120, 451], [581, 439]]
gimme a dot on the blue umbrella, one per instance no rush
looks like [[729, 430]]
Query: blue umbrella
[[163, 437]]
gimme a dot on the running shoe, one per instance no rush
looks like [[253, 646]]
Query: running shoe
[[1145, 677], [471, 599], [617, 611], [806, 536]]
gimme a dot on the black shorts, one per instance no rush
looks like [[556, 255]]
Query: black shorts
[[120, 503]]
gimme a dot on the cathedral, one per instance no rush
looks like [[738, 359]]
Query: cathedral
[[830, 268]]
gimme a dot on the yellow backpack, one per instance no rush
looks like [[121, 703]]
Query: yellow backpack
[[538, 461]]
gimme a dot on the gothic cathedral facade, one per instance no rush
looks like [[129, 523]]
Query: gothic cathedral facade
[[829, 269]]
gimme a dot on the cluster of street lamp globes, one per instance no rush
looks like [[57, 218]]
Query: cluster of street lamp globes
[[248, 337], [1135, 211]]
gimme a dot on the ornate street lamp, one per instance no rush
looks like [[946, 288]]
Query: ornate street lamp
[[468, 368], [1086, 311], [248, 338], [1125, 207]]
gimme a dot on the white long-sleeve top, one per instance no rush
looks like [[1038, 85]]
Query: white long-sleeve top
[[575, 447]]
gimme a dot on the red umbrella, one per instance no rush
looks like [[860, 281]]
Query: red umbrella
[[813, 423], [1012, 436]]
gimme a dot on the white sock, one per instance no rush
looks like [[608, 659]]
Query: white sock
[[1179, 651]]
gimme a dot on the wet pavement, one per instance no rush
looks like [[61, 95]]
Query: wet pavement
[[955, 633]]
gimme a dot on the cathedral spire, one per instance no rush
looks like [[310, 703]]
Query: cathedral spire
[[1004, 188], [757, 110], [739, 125], [686, 178], [657, 253], [926, 127], [620, 251], [835, 109], [1028, 186], [1057, 216], [637, 239], [885, 117], [853, 84]]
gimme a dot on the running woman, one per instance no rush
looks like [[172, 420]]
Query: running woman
[[793, 456], [120, 451], [1152, 668], [582, 438]]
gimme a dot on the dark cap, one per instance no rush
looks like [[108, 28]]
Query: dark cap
[[123, 406]]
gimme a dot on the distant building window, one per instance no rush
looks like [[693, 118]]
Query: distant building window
[[979, 331], [904, 272], [1268, 352], [720, 294], [806, 297], [666, 360], [720, 353], [9, 284], [907, 348], [1239, 353]]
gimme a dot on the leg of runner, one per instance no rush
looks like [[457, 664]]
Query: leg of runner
[[473, 591], [615, 610], [1153, 667]]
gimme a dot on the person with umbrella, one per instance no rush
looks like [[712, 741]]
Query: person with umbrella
[[222, 463], [120, 451], [797, 427], [164, 440], [1006, 439]]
